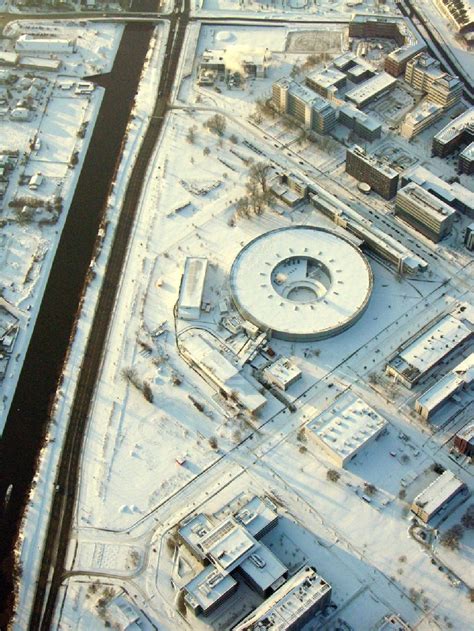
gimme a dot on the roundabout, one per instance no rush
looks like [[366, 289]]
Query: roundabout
[[301, 283]]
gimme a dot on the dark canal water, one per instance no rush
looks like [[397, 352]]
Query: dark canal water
[[27, 420]]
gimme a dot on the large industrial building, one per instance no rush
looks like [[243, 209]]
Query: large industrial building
[[301, 283], [366, 168], [455, 195], [427, 351], [346, 428], [439, 497], [433, 399], [458, 131], [231, 550], [425, 212], [303, 104], [295, 604]]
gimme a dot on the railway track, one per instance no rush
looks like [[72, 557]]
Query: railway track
[[63, 505]]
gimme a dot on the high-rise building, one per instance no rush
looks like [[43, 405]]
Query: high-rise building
[[425, 74], [303, 104], [425, 212], [420, 118], [366, 168], [460, 130], [469, 237], [466, 160]]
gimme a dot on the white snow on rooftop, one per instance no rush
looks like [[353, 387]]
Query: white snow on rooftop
[[268, 273], [462, 374], [440, 339], [347, 426], [438, 492]]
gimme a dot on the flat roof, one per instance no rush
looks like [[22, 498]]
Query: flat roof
[[300, 281], [456, 127], [40, 62], [371, 87], [426, 110], [432, 205], [467, 433], [438, 492], [443, 389], [383, 167], [362, 117], [228, 544], [468, 153], [263, 567], [192, 286], [208, 587], [195, 529], [347, 425], [438, 341], [288, 603], [449, 192], [326, 77], [256, 516], [283, 369], [224, 371]]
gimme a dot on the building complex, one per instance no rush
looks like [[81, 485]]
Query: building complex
[[296, 100]]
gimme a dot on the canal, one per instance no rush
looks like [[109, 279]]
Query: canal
[[24, 431]]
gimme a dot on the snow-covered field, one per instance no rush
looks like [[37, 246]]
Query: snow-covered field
[[154, 455]]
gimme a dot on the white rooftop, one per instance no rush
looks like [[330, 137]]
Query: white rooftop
[[347, 425], [284, 370], [462, 374], [439, 340], [228, 544], [256, 516], [192, 285], [431, 204], [370, 88], [438, 492], [263, 567], [301, 282], [281, 610], [208, 587]]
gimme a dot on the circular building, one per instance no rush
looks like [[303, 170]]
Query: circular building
[[301, 283]]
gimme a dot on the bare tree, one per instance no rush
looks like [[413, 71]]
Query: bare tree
[[450, 539], [216, 124]]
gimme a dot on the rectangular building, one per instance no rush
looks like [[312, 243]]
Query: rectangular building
[[297, 602], [361, 123], [31, 43], [455, 195], [369, 90], [466, 160], [424, 73], [458, 131], [296, 100], [326, 82], [425, 212], [469, 237], [206, 591], [464, 440], [435, 499], [282, 373], [263, 571], [428, 350], [192, 288], [366, 168], [257, 516], [420, 118], [346, 428]]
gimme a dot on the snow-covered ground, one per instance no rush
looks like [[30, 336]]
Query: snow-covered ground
[[150, 461], [52, 144]]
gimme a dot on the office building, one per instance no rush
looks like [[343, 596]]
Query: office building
[[425, 212], [433, 399], [362, 124], [310, 109], [425, 74], [440, 497], [457, 132], [469, 237], [464, 441], [421, 356], [455, 195], [282, 373], [326, 82], [345, 429], [296, 603], [366, 168], [372, 89], [466, 160], [420, 118]]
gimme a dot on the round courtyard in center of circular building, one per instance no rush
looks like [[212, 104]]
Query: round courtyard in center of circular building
[[301, 283]]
